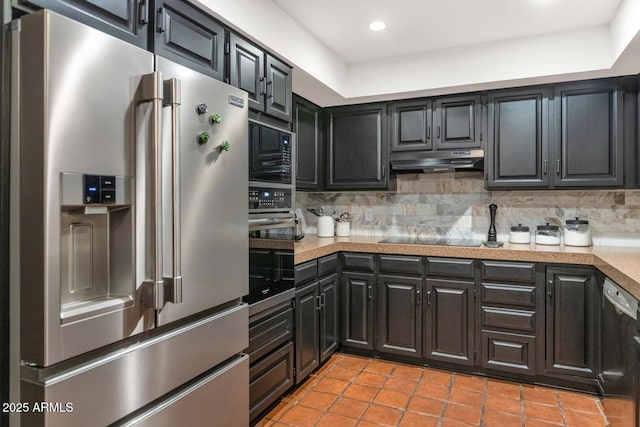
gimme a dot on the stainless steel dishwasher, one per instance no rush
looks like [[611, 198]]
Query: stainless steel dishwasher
[[619, 356]]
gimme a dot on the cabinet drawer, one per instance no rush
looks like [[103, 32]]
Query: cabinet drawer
[[509, 271], [509, 352], [305, 273], [359, 262], [270, 332], [508, 294], [509, 319], [401, 264], [450, 267], [269, 379], [327, 265]]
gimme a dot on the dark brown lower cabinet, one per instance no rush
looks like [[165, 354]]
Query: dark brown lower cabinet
[[399, 301], [357, 310], [329, 319], [317, 324], [270, 378], [450, 321], [271, 357], [307, 306], [508, 352], [572, 321]]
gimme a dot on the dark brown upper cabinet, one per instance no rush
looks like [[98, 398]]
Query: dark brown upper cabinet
[[570, 135], [266, 79], [357, 147], [411, 124], [518, 143], [437, 124], [308, 126], [458, 122], [588, 135], [189, 36], [125, 19]]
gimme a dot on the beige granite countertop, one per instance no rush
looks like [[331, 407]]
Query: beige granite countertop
[[621, 264]]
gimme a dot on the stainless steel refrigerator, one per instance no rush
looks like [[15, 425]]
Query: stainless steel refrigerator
[[132, 254]]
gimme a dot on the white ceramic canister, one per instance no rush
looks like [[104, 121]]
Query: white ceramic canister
[[519, 234], [577, 233], [547, 235], [325, 226], [343, 228]]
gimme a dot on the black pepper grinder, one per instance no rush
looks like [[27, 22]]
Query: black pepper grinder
[[492, 236]]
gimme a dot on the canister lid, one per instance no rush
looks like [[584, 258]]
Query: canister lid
[[520, 227], [577, 221], [548, 227]]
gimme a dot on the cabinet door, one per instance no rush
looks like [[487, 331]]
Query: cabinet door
[[357, 310], [246, 70], [124, 19], [329, 323], [399, 301], [458, 122], [517, 151], [278, 89], [411, 126], [357, 150], [187, 35], [449, 321], [572, 322], [588, 135], [308, 127], [307, 306]]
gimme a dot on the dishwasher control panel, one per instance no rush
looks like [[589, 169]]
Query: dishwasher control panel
[[621, 299]]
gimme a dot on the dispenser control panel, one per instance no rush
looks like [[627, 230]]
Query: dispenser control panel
[[99, 189]]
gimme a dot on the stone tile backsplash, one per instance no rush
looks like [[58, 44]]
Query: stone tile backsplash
[[457, 205]]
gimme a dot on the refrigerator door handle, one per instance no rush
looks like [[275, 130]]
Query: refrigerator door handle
[[173, 284], [151, 90]]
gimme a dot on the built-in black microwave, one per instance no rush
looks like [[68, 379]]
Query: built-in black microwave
[[271, 154]]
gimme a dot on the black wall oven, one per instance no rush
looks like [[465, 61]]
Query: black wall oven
[[270, 273]]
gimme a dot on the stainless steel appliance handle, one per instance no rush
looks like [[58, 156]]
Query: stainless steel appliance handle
[[153, 287], [173, 284]]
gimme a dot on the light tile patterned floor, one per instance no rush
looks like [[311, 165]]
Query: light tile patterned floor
[[358, 391]]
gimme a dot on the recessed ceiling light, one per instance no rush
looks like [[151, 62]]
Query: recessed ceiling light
[[377, 26]]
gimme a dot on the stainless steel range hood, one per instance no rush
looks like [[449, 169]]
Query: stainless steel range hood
[[436, 161]]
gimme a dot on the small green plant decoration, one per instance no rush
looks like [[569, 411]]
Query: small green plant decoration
[[203, 137], [224, 146], [215, 118]]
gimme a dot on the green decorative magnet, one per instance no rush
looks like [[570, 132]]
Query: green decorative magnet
[[215, 118], [203, 137], [224, 146]]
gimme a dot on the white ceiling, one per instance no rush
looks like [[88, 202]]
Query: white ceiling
[[418, 26], [434, 47]]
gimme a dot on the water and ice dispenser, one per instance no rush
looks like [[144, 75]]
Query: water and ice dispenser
[[96, 245]]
